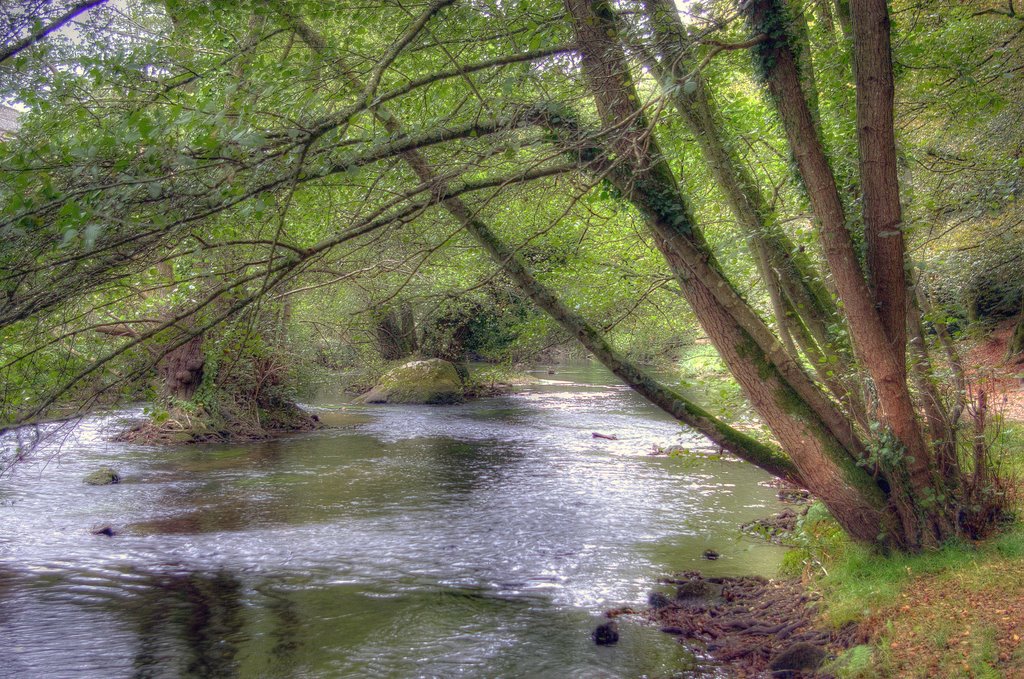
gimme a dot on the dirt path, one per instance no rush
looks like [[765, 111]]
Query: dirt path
[[986, 366]]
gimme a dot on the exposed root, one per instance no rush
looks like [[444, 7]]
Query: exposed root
[[180, 426], [743, 623]]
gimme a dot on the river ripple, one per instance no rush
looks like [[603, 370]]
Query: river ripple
[[480, 540]]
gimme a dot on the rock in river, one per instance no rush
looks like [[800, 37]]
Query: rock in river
[[431, 381], [606, 634], [102, 477]]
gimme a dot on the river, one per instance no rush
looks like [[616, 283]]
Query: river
[[479, 540]]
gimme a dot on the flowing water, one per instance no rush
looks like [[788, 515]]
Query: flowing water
[[480, 540]]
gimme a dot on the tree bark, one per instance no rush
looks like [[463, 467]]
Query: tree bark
[[879, 177], [871, 342], [181, 370], [804, 309], [805, 58], [822, 448]]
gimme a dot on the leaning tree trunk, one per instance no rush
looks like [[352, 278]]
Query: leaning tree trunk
[[802, 306], [821, 446]]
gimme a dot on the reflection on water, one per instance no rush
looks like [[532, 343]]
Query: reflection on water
[[479, 540], [191, 622]]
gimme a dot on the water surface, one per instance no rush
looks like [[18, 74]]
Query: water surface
[[480, 540]]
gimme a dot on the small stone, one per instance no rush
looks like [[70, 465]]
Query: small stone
[[606, 634], [710, 554], [794, 495], [106, 530], [103, 476], [658, 600]]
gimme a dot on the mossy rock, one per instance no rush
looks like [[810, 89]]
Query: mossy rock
[[698, 589], [104, 476], [431, 381], [799, 657]]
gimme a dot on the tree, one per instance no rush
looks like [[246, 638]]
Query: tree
[[303, 142]]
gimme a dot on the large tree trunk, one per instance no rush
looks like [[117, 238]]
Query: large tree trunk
[[881, 351], [803, 307], [878, 172], [181, 370], [822, 448]]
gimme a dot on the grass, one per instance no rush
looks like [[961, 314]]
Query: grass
[[957, 612], [954, 612]]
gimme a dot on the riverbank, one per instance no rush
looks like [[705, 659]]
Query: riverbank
[[958, 611], [749, 626], [855, 614]]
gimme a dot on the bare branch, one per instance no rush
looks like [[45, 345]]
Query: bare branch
[[12, 50]]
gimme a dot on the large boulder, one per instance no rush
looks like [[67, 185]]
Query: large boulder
[[431, 381], [104, 476]]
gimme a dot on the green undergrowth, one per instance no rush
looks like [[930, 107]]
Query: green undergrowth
[[952, 612], [946, 612], [861, 582], [1010, 439]]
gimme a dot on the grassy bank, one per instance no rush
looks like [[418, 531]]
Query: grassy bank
[[956, 612]]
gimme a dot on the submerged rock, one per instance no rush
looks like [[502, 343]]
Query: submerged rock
[[710, 554], [106, 530], [432, 381], [606, 634], [104, 476]]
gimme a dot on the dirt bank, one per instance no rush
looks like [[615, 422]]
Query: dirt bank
[[748, 626]]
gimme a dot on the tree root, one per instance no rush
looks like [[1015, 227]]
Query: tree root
[[749, 624]]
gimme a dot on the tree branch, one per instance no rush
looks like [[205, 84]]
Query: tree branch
[[12, 50]]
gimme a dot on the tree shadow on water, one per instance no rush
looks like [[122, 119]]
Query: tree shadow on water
[[191, 621]]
